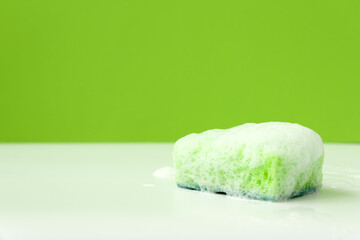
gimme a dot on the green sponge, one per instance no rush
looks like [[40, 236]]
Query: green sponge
[[271, 161]]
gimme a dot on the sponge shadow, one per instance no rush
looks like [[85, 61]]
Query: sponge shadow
[[329, 194]]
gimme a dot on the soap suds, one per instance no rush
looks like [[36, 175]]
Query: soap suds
[[149, 185], [165, 172]]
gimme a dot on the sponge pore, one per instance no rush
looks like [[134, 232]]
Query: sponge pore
[[272, 161]]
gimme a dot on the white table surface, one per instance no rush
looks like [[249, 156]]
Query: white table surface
[[127, 191]]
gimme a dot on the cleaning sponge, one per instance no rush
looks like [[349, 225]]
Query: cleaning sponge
[[271, 161]]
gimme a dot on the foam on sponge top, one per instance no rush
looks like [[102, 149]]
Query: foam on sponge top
[[270, 161]]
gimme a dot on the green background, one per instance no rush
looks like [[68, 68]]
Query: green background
[[86, 70]]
